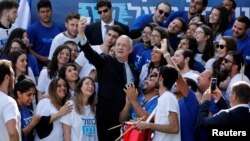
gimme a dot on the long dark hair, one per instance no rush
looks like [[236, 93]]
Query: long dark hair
[[62, 71], [77, 98], [7, 47], [13, 57], [209, 49], [16, 33], [23, 84], [53, 65], [53, 96], [223, 25]]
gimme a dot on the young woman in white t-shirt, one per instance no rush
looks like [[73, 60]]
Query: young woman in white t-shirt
[[51, 110], [80, 124]]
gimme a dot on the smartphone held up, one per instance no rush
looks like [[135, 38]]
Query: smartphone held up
[[213, 84]]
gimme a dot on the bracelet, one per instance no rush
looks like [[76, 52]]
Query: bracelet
[[166, 55]]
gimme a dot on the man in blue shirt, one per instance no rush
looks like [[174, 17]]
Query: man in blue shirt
[[195, 6], [162, 11], [142, 105], [42, 32], [240, 32]]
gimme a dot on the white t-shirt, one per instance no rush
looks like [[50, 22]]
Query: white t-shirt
[[166, 102], [82, 61], [236, 78], [209, 63], [43, 81], [192, 75], [4, 35], [8, 111], [31, 75], [46, 108], [198, 58], [59, 40], [83, 127]]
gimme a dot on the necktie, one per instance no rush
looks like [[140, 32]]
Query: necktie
[[106, 28]]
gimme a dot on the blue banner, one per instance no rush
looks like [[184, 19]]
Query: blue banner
[[126, 11]]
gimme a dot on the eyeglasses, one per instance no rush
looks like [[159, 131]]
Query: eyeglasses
[[220, 46], [146, 33], [165, 13], [198, 32], [104, 11], [226, 61]]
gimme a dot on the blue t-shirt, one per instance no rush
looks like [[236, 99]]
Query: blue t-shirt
[[242, 45], [146, 58], [198, 66], [141, 21], [26, 117], [148, 106], [32, 62], [173, 15], [136, 56], [188, 116], [41, 37]]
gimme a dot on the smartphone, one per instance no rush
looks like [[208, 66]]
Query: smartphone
[[213, 84], [88, 19]]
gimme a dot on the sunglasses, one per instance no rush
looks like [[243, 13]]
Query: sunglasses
[[165, 13], [220, 46], [104, 11], [226, 60]]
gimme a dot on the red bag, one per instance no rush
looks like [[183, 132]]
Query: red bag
[[136, 135]]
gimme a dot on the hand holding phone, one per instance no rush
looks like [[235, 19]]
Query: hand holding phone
[[213, 84]]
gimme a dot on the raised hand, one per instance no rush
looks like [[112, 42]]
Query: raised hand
[[81, 27], [164, 46], [131, 92], [66, 108]]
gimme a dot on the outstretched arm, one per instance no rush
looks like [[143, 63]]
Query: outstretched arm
[[180, 81], [93, 57]]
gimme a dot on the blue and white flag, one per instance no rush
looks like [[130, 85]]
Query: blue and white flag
[[24, 16]]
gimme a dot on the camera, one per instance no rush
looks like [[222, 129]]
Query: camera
[[213, 84]]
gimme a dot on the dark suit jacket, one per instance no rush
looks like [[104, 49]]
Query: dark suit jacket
[[93, 32], [111, 80], [233, 118]]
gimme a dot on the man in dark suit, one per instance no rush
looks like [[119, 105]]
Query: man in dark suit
[[114, 73], [236, 118], [96, 32]]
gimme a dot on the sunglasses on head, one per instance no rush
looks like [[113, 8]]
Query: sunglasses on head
[[104, 11], [165, 13], [220, 46]]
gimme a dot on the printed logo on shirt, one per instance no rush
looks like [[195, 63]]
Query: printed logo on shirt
[[27, 120], [47, 40], [3, 42], [89, 127]]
